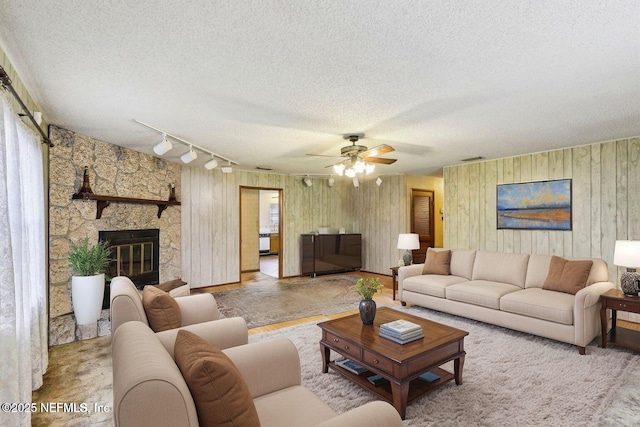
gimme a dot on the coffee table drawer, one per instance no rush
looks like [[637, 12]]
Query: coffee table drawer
[[378, 361], [343, 345]]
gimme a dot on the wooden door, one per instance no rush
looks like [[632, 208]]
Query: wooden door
[[422, 221]]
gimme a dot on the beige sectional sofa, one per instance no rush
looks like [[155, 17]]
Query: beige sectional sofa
[[506, 289], [149, 389]]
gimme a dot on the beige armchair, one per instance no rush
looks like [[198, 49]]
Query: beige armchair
[[149, 389], [196, 310]]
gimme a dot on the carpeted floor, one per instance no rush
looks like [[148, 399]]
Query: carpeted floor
[[274, 301], [509, 378]]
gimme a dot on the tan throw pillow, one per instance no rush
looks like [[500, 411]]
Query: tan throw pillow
[[171, 284], [220, 393], [437, 262], [567, 276], [163, 312]]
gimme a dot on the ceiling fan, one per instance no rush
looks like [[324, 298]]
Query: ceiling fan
[[358, 157]]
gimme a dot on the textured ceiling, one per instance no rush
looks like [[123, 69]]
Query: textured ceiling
[[265, 82]]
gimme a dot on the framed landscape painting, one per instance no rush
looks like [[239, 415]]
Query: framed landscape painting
[[544, 205]]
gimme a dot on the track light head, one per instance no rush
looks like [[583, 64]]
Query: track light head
[[307, 181], [227, 168], [163, 146], [331, 181], [189, 156], [356, 183], [379, 181], [211, 164]]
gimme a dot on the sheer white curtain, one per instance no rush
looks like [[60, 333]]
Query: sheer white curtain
[[23, 283]]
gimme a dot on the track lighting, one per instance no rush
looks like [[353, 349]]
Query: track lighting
[[331, 181], [163, 146], [189, 156], [356, 183], [379, 181], [227, 168], [211, 164], [308, 181]]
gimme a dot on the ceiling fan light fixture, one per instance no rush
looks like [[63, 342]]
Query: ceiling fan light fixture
[[189, 156], [163, 146], [339, 168], [369, 168], [351, 172], [359, 166]]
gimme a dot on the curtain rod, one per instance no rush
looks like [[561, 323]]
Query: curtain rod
[[6, 82]]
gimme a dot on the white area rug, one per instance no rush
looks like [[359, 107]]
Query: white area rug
[[509, 379]]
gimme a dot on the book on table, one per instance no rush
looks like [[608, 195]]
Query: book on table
[[406, 336], [400, 327], [402, 340], [350, 366]]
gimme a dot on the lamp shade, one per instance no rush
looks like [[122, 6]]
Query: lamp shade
[[627, 253], [408, 241]]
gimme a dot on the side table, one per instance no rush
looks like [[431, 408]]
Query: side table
[[394, 280], [614, 300]]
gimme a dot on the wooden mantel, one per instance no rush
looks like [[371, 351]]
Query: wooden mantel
[[104, 201]]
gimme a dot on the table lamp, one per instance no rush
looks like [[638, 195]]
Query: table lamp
[[409, 241], [627, 254]]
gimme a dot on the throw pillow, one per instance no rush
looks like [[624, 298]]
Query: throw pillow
[[163, 312], [221, 396], [567, 276], [171, 284], [437, 262]]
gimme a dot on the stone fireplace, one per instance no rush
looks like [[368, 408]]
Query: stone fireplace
[[113, 171]]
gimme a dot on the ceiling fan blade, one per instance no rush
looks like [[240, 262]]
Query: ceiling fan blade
[[341, 162], [379, 160], [376, 151], [321, 155]]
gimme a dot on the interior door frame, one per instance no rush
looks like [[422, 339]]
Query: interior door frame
[[280, 228]]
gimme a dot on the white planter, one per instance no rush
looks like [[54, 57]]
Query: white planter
[[87, 293]]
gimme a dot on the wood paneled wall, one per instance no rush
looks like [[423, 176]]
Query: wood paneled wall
[[606, 207], [211, 219], [380, 214]]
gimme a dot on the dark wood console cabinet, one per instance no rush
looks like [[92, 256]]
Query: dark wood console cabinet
[[330, 253]]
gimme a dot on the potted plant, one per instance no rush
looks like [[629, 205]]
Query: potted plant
[[366, 288], [89, 263]]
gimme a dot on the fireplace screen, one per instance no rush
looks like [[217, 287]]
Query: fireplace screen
[[133, 259], [135, 254]]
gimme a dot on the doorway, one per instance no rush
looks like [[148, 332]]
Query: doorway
[[422, 222], [260, 236]]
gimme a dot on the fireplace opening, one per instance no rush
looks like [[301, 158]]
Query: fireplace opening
[[135, 254]]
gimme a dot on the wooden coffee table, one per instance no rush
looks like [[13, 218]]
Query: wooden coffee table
[[401, 364]]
